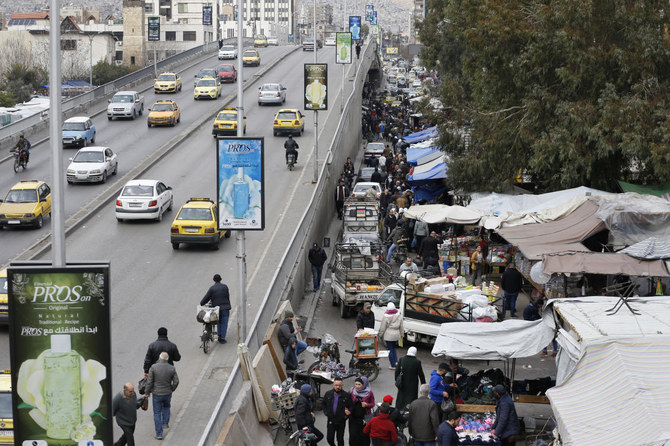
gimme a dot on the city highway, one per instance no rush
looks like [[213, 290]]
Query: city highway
[[151, 284], [132, 140]]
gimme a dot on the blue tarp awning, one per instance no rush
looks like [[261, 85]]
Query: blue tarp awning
[[434, 170], [422, 155], [430, 132], [429, 191]]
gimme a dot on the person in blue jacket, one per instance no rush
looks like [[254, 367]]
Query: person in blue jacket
[[437, 385], [506, 427]]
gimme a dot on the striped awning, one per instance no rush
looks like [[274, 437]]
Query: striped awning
[[618, 393], [649, 249]]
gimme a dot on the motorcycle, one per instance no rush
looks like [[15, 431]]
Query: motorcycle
[[291, 160], [400, 252], [20, 159]]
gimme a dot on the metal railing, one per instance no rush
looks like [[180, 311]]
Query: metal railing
[[321, 205]]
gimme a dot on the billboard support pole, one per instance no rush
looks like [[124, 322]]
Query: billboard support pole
[[316, 114], [240, 237], [55, 135]]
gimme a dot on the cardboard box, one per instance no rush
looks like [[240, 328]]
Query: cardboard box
[[436, 281]]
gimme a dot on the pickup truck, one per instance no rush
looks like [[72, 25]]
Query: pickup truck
[[125, 104], [422, 309], [360, 219], [358, 275]]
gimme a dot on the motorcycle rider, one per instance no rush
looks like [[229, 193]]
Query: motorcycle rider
[[23, 146], [291, 147]]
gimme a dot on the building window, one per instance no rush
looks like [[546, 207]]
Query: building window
[[182, 7], [171, 35], [68, 45], [189, 36], [149, 8]]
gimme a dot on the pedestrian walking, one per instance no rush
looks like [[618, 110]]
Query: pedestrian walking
[[446, 433], [341, 193], [304, 416], [337, 406], [428, 250], [412, 375], [391, 331], [162, 344], [317, 257], [420, 232], [162, 381], [219, 296], [365, 318], [511, 283], [124, 408], [424, 418]]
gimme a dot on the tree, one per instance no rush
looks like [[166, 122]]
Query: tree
[[21, 81], [573, 92], [104, 72]]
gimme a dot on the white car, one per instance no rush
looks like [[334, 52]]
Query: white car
[[92, 165], [227, 52], [417, 83], [330, 41], [360, 189], [143, 199], [272, 40], [271, 94]]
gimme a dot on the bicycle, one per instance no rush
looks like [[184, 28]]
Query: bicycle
[[209, 317], [303, 437]]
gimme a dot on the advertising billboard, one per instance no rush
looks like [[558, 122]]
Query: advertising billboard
[[343, 47], [154, 29], [206, 15], [240, 183], [369, 10], [374, 18], [316, 86], [355, 27], [59, 334]]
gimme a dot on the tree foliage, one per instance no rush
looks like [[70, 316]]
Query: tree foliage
[[575, 92], [20, 82], [104, 72]]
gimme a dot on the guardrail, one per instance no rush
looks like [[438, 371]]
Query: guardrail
[[11, 131], [321, 205]]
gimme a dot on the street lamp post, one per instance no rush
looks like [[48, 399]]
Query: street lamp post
[[316, 113]]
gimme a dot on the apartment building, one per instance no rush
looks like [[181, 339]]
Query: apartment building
[[268, 17]]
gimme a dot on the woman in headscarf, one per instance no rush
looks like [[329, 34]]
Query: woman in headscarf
[[412, 375], [364, 401], [391, 331]]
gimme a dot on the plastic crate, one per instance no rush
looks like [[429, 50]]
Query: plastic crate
[[285, 400]]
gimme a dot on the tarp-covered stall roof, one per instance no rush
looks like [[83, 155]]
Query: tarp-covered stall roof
[[442, 213], [512, 338], [430, 132], [602, 263], [555, 236], [433, 170], [618, 394], [422, 155]]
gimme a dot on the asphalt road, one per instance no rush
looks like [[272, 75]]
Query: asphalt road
[[132, 141], [151, 284]]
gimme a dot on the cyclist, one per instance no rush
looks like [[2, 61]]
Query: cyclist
[[291, 147]]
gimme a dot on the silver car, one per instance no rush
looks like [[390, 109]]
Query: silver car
[[271, 94], [227, 52]]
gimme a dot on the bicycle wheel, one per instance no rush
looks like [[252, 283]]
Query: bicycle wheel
[[205, 338], [16, 165]]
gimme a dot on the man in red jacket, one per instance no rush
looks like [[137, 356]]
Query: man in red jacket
[[381, 427]]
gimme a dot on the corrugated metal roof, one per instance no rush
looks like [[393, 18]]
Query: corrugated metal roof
[[30, 15], [618, 394]]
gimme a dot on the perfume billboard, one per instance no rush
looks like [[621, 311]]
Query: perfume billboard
[[60, 354], [240, 183]]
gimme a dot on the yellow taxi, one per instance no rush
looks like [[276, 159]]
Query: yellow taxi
[[167, 83], [26, 204], [396, 104], [289, 121], [207, 87], [251, 57], [226, 123], [6, 416], [164, 113], [197, 222], [260, 40], [389, 99], [4, 302]]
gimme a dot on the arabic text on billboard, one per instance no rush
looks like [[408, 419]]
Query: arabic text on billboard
[[154, 29], [316, 86], [240, 183], [60, 354]]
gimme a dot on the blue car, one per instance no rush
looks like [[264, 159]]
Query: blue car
[[78, 132]]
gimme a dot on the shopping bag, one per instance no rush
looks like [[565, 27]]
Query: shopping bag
[[142, 386], [413, 245]]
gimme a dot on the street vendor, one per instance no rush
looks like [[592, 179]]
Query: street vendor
[[506, 427]]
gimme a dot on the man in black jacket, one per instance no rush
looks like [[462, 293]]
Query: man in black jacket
[[219, 296], [304, 417], [428, 250], [337, 406], [511, 283], [317, 257], [365, 318], [162, 344]]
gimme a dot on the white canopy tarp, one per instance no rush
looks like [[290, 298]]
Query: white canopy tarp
[[512, 338], [507, 219], [498, 204], [618, 393], [442, 213]]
